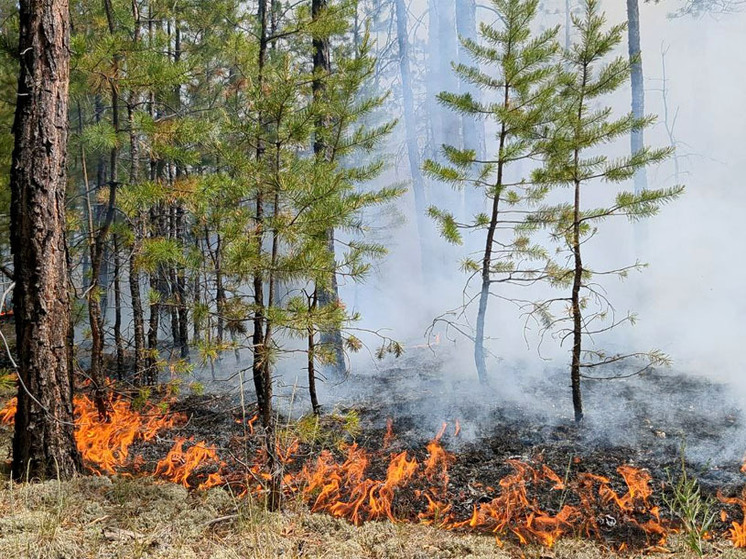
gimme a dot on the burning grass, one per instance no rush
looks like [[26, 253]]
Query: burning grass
[[530, 504]]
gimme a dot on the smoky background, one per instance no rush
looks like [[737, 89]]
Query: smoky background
[[688, 300]]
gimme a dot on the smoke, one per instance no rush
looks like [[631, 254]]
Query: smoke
[[689, 300]]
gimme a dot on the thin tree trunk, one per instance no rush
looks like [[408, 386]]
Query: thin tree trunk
[[174, 302], [575, 309], [472, 127], [262, 336], [151, 361], [638, 87], [577, 317], [327, 295], [220, 300], [434, 81], [118, 342], [448, 40], [138, 319], [486, 273], [312, 356], [181, 290], [413, 149], [99, 244], [43, 441]]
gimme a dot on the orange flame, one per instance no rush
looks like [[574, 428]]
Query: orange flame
[[8, 413], [105, 444], [178, 465], [389, 436]]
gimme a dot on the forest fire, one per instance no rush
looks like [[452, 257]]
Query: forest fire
[[342, 488], [530, 504], [179, 465], [105, 444]]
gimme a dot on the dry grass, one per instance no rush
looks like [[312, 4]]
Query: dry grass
[[99, 517]]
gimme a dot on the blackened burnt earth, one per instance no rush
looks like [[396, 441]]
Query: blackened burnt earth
[[659, 420]]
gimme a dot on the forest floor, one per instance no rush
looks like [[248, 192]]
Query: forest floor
[[658, 422], [100, 517]]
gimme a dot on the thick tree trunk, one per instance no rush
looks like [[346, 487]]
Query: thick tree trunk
[[638, 87], [43, 442]]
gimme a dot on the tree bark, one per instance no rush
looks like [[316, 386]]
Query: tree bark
[[262, 336], [486, 272], [43, 441], [98, 244], [577, 317]]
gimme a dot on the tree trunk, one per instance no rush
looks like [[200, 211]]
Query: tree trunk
[[118, 342], [472, 128], [98, 246], [638, 87], [138, 318], [577, 317], [151, 361], [486, 273], [413, 149], [322, 67], [262, 336], [181, 290], [43, 441], [312, 356], [433, 82], [448, 39]]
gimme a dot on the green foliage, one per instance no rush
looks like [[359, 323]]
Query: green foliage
[[8, 381], [696, 512], [518, 68], [329, 431], [159, 252], [575, 150]]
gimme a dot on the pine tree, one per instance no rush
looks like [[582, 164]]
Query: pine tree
[[575, 153], [518, 69], [43, 441]]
